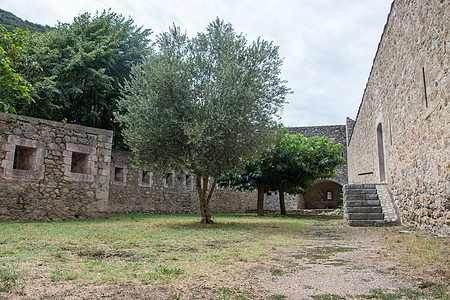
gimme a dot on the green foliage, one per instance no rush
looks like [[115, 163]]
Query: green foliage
[[13, 86], [291, 164], [86, 61], [202, 103]]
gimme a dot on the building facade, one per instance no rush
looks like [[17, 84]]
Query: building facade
[[402, 130]]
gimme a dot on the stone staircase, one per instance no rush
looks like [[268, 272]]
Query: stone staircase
[[369, 205]]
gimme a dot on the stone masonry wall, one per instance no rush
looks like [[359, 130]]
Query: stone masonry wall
[[51, 170], [401, 136], [173, 193]]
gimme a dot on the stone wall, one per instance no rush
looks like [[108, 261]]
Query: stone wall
[[401, 136], [55, 171], [139, 191], [51, 170]]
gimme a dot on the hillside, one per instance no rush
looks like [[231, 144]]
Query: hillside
[[11, 22]]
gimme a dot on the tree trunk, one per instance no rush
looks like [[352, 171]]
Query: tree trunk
[[202, 191], [260, 202], [282, 204]]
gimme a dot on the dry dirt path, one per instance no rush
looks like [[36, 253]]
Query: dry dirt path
[[347, 262]]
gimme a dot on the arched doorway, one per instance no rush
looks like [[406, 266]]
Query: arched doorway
[[381, 166], [324, 194]]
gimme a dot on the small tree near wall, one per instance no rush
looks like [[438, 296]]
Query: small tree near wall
[[290, 165]]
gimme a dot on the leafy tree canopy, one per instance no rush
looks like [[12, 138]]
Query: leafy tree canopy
[[86, 61], [291, 165], [202, 104]]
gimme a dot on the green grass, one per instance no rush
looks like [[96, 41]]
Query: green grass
[[144, 248]]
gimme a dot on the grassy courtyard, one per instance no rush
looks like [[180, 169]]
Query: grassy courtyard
[[174, 257]]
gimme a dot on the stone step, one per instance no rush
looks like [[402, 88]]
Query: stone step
[[364, 209], [359, 192], [365, 216], [360, 186], [362, 197], [362, 203], [365, 223]]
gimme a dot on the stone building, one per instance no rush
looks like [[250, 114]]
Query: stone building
[[401, 135], [51, 170]]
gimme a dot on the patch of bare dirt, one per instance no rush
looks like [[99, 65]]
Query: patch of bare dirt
[[343, 261]]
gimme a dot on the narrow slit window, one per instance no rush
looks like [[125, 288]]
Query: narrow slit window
[[24, 158], [329, 195], [79, 163], [425, 87]]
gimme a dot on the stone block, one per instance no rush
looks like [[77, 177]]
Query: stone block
[[371, 197], [101, 195]]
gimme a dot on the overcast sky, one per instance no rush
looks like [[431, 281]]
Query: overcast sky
[[328, 45]]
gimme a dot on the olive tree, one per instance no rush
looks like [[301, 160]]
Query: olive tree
[[203, 104]]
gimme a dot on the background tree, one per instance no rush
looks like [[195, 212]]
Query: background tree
[[14, 88], [11, 22], [87, 61], [202, 104], [290, 165]]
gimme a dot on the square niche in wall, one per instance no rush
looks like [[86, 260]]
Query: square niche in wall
[[145, 179], [24, 159], [119, 173], [79, 162]]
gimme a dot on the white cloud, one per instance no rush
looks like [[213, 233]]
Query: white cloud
[[328, 45]]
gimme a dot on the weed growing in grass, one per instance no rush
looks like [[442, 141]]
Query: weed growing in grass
[[169, 271], [276, 272], [277, 297], [63, 275], [8, 278]]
